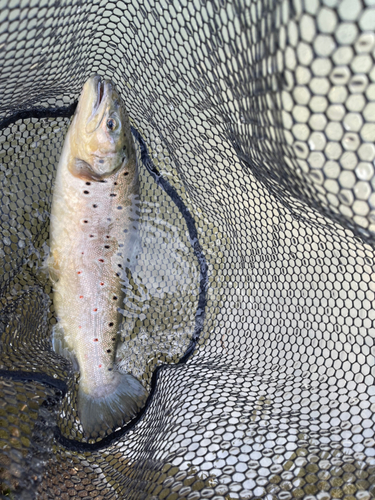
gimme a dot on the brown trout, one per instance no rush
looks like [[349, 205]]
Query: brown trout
[[93, 235]]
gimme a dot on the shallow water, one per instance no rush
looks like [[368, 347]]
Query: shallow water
[[161, 294]]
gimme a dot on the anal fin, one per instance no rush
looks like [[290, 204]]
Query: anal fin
[[60, 346]]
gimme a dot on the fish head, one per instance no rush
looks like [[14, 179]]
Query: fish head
[[100, 131]]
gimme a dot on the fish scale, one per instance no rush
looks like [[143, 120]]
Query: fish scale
[[93, 273], [93, 237]]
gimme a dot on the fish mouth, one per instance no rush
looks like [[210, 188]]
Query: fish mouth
[[99, 92], [103, 90]]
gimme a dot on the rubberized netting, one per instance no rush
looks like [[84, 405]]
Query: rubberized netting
[[250, 315]]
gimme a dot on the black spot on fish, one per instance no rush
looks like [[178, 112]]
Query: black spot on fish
[[86, 192], [109, 350], [119, 207], [101, 161], [119, 265], [110, 324], [113, 194], [126, 173], [114, 297], [95, 206], [88, 183], [106, 246], [115, 183], [91, 235], [117, 274], [85, 221], [125, 230]]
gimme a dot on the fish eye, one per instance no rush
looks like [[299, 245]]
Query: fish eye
[[111, 124]]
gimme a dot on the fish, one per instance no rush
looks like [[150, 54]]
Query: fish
[[93, 238]]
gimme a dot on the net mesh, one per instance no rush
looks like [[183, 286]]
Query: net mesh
[[260, 117]]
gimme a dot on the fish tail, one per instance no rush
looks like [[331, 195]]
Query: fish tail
[[111, 406]]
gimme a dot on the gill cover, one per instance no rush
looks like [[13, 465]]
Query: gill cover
[[100, 131]]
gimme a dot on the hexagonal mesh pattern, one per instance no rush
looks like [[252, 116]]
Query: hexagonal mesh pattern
[[260, 114]]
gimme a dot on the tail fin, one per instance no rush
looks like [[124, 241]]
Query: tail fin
[[122, 401]]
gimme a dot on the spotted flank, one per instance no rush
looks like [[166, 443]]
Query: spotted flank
[[94, 233]]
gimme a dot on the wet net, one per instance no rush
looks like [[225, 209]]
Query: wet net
[[250, 315]]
